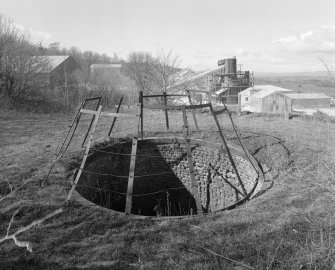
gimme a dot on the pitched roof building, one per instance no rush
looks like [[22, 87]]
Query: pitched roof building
[[55, 63]]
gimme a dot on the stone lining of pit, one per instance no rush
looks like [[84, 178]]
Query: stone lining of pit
[[217, 181]]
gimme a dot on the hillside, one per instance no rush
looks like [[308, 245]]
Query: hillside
[[289, 226]]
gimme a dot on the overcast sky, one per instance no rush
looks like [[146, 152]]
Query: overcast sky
[[264, 35]]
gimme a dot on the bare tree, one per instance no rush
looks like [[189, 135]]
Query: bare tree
[[164, 66], [139, 69], [18, 64], [152, 74]]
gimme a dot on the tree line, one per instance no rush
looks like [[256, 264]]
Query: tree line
[[21, 84]]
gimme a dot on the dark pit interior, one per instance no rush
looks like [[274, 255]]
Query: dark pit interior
[[162, 182]]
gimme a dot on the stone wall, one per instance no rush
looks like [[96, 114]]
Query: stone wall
[[162, 178]]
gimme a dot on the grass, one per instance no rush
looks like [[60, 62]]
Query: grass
[[290, 226]]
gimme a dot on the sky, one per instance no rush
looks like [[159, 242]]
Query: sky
[[264, 35]]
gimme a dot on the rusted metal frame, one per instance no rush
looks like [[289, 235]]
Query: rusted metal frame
[[75, 119], [138, 120], [89, 128], [59, 154], [239, 139], [122, 115], [80, 112], [162, 107], [93, 98], [228, 151], [88, 146], [193, 112], [114, 120], [166, 112], [76, 122], [176, 107], [131, 177], [108, 114], [141, 112], [195, 188], [173, 95], [85, 111]]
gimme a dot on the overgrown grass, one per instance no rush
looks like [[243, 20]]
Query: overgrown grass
[[290, 226]]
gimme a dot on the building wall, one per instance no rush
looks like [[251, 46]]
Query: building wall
[[276, 103], [255, 104], [246, 102]]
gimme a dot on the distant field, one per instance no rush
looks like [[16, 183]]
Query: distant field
[[304, 84], [290, 226]]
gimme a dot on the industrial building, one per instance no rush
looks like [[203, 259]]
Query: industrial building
[[269, 99], [263, 99], [221, 84], [229, 81]]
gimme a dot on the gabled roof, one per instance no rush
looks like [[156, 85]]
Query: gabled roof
[[49, 62], [266, 90]]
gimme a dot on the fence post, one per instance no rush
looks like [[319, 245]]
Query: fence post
[[166, 111], [195, 188], [88, 146]]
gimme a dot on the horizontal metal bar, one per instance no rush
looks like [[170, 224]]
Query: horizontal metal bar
[[93, 98], [125, 115], [175, 107], [152, 96], [88, 111]]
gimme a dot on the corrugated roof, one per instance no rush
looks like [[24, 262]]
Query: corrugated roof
[[266, 90], [307, 96], [50, 62]]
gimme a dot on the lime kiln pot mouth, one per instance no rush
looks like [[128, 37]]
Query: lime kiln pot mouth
[[162, 180]]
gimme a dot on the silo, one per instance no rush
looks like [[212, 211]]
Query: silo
[[231, 67]]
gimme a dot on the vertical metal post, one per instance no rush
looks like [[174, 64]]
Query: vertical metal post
[[195, 188], [166, 111], [228, 151], [114, 120], [193, 111], [131, 177], [88, 146], [60, 154], [141, 112], [89, 128], [76, 119]]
